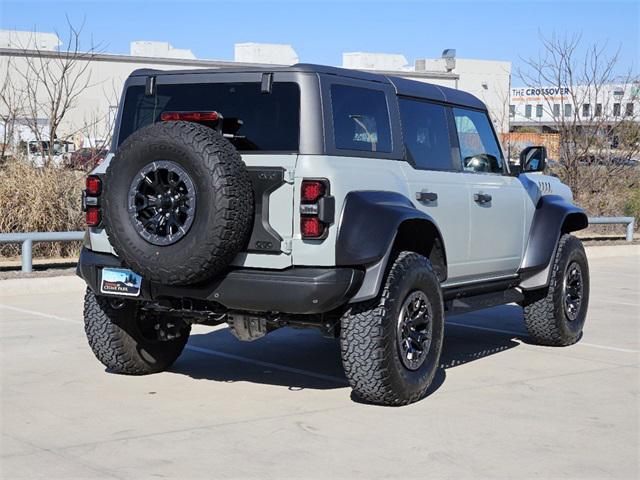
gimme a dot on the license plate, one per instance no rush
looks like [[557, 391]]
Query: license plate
[[119, 281]]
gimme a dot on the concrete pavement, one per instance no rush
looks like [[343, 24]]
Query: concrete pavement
[[280, 408]]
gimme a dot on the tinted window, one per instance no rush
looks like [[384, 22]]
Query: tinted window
[[360, 119], [478, 146], [616, 109], [257, 121], [425, 134], [629, 110], [567, 109], [598, 109]]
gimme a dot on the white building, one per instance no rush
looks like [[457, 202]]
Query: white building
[[98, 103], [146, 48], [545, 107], [29, 40], [271, 53]]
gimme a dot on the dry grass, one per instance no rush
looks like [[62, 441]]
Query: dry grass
[[40, 199], [603, 194]]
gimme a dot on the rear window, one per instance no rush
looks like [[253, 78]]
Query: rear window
[[360, 119], [253, 121]]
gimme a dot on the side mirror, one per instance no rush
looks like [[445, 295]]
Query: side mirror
[[533, 159]]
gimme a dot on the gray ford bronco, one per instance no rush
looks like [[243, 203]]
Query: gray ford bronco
[[363, 205]]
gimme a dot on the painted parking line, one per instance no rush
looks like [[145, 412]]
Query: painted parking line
[[520, 334], [39, 314], [206, 351]]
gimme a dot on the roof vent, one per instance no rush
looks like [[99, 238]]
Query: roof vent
[[449, 56]]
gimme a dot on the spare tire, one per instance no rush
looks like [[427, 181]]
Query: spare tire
[[177, 202]]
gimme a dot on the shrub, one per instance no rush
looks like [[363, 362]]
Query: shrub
[[632, 206], [40, 199]]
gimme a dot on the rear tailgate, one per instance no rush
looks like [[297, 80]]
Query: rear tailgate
[[272, 179]]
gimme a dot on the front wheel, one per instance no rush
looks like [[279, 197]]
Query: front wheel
[[555, 315], [129, 341], [391, 345]]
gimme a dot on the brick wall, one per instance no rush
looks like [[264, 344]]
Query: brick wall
[[518, 140]]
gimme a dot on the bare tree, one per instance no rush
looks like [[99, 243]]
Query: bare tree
[[97, 128], [588, 102], [11, 106], [52, 83]]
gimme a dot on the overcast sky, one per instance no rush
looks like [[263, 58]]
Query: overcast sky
[[321, 31]]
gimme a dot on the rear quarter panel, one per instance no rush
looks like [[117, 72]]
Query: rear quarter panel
[[345, 174]]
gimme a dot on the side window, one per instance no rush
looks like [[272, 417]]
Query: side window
[[360, 119], [425, 133], [478, 146]]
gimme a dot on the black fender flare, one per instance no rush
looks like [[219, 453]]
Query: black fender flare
[[367, 230], [553, 216]]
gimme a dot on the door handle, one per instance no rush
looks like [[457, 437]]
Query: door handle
[[482, 198], [426, 196]]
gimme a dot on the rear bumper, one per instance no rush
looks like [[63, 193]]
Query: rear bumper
[[297, 290]]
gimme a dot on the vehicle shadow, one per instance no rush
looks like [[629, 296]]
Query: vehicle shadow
[[304, 359]]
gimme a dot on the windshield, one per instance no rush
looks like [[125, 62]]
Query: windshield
[[252, 120]]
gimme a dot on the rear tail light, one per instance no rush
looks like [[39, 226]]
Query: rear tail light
[[91, 201], [311, 227], [93, 216], [190, 116], [312, 190], [316, 208], [94, 185]]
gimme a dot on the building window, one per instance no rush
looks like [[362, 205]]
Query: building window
[[527, 111], [512, 111], [556, 109], [628, 112], [585, 109], [567, 109], [598, 109], [538, 111], [616, 109]]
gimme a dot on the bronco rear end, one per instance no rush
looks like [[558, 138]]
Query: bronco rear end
[[200, 216]]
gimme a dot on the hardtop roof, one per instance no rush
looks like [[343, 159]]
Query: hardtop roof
[[402, 86]]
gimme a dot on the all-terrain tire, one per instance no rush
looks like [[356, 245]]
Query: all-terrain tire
[[369, 332], [544, 312], [116, 340], [223, 215]]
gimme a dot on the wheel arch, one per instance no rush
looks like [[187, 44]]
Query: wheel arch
[[554, 216], [375, 224]]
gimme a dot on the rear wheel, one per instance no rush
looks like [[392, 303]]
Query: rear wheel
[[555, 315], [391, 345], [129, 341]]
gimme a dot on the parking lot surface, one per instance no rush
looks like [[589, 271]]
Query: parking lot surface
[[280, 407]]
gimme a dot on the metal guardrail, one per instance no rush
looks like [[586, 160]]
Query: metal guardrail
[[27, 239], [629, 221]]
